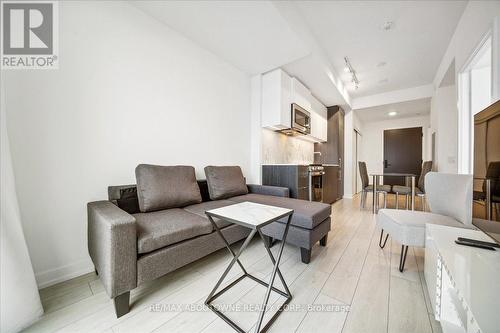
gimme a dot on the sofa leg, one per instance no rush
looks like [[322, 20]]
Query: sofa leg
[[268, 240], [305, 255], [323, 240], [122, 306]]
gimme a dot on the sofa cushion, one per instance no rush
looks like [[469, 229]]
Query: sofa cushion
[[201, 208], [408, 227], [380, 188], [162, 228], [306, 214], [405, 189], [225, 181], [162, 187]]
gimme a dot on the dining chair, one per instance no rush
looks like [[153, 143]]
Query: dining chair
[[419, 189], [446, 195], [365, 183]]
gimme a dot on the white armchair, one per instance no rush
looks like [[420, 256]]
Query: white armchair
[[449, 197]]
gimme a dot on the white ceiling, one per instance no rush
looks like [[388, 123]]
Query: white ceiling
[[251, 35], [309, 39], [449, 76], [412, 49], [415, 108], [316, 77]]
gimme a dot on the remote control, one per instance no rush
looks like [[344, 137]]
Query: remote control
[[475, 245], [490, 244]]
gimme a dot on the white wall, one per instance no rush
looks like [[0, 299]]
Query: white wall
[[255, 174], [348, 154], [129, 90], [495, 61], [444, 121], [358, 126], [478, 19], [357, 183], [351, 122], [373, 139], [480, 83]]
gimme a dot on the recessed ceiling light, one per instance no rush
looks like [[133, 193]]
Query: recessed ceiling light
[[388, 25], [346, 69], [392, 113], [381, 64]]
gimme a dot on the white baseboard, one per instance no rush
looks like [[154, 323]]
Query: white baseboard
[[52, 276]]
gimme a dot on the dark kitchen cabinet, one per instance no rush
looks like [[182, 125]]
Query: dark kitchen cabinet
[[332, 151], [330, 184], [295, 177]]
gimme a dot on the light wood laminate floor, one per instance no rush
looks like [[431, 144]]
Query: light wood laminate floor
[[351, 285]]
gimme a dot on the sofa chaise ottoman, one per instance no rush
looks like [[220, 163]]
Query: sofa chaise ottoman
[[147, 230]]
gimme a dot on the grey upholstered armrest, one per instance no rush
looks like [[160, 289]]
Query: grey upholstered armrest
[[112, 243], [269, 190]]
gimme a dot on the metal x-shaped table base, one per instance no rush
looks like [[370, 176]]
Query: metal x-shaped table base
[[213, 295]]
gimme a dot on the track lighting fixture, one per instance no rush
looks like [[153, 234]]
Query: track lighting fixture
[[348, 69]]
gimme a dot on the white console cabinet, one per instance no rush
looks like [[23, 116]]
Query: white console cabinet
[[463, 282]]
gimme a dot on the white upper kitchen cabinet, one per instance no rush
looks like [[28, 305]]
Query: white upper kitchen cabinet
[[301, 95], [279, 91], [276, 100], [319, 124]]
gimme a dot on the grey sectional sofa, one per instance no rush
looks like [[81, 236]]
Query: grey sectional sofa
[[147, 230]]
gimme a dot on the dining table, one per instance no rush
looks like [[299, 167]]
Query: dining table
[[409, 177]]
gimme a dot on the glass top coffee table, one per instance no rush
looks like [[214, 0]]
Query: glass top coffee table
[[253, 216]]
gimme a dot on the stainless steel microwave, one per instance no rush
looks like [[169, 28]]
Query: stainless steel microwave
[[301, 119]]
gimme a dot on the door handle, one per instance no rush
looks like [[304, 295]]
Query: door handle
[[386, 164]]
